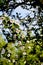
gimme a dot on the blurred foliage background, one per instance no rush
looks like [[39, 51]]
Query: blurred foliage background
[[21, 40]]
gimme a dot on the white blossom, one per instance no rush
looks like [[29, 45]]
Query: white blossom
[[3, 51], [24, 62], [24, 53], [9, 60], [19, 43], [12, 20], [13, 60], [29, 47], [27, 41], [41, 63], [8, 55]]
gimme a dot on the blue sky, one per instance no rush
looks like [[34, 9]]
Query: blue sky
[[23, 12]]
